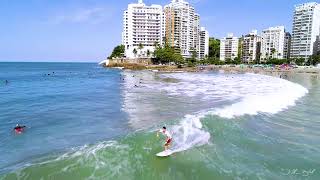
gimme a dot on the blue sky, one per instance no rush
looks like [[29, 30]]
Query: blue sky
[[87, 30]]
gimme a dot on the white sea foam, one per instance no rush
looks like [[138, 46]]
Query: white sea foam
[[253, 93], [189, 133], [271, 96], [242, 94]]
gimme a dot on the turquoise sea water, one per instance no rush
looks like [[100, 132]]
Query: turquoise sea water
[[76, 104], [86, 122]]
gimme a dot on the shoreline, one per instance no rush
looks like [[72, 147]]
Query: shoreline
[[274, 71]]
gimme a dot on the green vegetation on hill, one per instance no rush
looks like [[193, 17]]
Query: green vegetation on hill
[[214, 54], [214, 48], [118, 51], [314, 60], [167, 54]]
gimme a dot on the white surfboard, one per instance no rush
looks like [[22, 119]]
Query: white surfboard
[[165, 153]]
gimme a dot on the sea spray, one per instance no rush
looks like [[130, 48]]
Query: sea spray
[[189, 133]]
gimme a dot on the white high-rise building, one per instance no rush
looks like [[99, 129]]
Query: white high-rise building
[[143, 27], [229, 47], [272, 45], [306, 28], [177, 25], [204, 43], [251, 46], [196, 34], [182, 27]]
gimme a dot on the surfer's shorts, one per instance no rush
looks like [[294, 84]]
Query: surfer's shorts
[[168, 142]]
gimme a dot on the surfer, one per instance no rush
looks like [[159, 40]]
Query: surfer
[[168, 135], [19, 129]]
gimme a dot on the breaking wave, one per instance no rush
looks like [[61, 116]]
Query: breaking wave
[[226, 95]]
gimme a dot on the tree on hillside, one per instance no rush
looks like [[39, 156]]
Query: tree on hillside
[[178, 59], [193, 59], [167, 54], [299, 61], [214, 48], [228, 61], [314, 60], [193, 55], [118, 51], [277, 61], [237, 60]]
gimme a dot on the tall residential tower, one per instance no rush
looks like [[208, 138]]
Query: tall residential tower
[[272, 45], [251, 45], [182, 27], [306, 28], [143, 26], [204, 43], [177, 25], [229, 47]]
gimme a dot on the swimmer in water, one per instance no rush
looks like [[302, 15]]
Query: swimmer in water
[[19, 129]]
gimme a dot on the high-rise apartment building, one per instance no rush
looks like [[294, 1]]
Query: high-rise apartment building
[[143, 26], [250, 47], [317, 46], [196, 34], [229, 47], [182, 27], [272, 45], [177, 25], [306, 28], [203, 43]]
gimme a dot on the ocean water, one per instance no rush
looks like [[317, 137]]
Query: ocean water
[[87, 122]]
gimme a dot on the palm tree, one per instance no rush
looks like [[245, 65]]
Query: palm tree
[[140, 47], [135, 52]]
